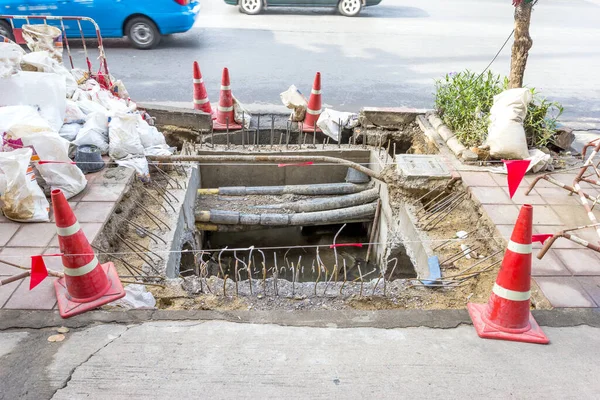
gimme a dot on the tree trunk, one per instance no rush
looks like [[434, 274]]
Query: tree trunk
[[522, 44]]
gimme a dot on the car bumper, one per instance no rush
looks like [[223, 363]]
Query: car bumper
[[178, 22]]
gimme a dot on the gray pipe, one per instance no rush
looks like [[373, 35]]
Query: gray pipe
[[328, 203], [308, 190]]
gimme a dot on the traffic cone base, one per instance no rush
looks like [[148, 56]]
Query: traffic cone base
[[308, 128], [69, 306], [233, 126], [487, 330]]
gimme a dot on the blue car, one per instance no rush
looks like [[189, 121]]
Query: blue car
[[144, 22]]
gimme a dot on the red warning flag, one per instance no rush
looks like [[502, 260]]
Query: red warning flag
[[540, 238], [38, 271], [516, 171]]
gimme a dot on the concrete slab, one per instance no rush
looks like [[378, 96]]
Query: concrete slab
[[419, 166], [591, 284], [33, 235], [520, 198], [93, 211], [557, 196], [544, 215], [550, 265], [7, 230], [502, 214], [564, 292], [490, 195], [580, 261], [42, 297], [477, 179]]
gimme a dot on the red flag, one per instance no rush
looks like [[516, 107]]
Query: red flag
[[540, 238], [38, 271], [516, 171]]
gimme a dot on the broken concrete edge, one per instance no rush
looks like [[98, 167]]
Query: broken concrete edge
[[389, 117], [384, 319], [178, 116]]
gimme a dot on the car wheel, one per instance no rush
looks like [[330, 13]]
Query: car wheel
[[350, 8], [251, 7], [143, 33], [6, 30]]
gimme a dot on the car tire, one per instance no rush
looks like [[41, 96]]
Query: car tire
[[350, 8], [250, 7], [6, 30], [143, 33]]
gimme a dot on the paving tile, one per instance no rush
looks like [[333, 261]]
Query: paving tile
[[3, 218], [572, 216], [580, 261], [18, 255], [110, 193], [33, 235], [490, 195], [544, 215], [520, 198], [7, 230], [591, 284], [556, 195], [477, 179], [6, 291], [93, 211], [501, 180], [501, 214], [90, 229], [42, 297], [550, 265], [542, 183], [505, 231], [564, 292], [54, 262]]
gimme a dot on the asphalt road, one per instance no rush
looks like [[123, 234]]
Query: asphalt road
[[225, 360], [388, 56]]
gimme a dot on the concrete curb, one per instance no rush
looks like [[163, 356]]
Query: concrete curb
[[386, 319]]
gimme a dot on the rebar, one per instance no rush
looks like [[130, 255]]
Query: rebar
[[154, 198]]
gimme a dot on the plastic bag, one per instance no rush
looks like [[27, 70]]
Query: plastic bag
[[16, 121], [73, 113], [43, 62], [240, 114], [123, 137], [140, 164], [22, 198], [159, 150], [112, 103], [149, 135], [94, 132], [45, 91], [294, 100], [49, 146], [119, 90], [506, 136], [42, 37], [136, 296], [69, 131], [10, 59], [329, 121]]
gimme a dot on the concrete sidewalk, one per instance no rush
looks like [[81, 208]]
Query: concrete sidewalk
[[220, 359]]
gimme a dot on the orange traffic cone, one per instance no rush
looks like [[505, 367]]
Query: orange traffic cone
[[507, 315], [87, 283], [314, 107], [200, 95], [225, 115]]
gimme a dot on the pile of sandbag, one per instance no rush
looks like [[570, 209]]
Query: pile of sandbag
[[47, 111]]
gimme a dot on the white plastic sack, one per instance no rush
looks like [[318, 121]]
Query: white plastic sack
[[240, 114], [329, 122], [90, 106], [22, 198], [17, 121], [159, 150], [42, 37], [539, 161], [69, 131], [44, 91], [123, 137], [506, 136], [10, 58], [43, 62], [140, 164], [65, 176], [294, 100], [73, 113], [112, 103], [136, 296], [119, 89], [149, 135], [94, 132]]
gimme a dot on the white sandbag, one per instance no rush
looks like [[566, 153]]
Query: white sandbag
[[69, 131], [90, 106], [22, 198], [44, 91], [65, 176], [94, 132], [140, 164], [159, 150], [43, 62], [294, 100], [506, 136], [42, 37], [149, 135], [73, 113], [19, 120], [123, 137], [240, 114], [112, 103], [329, 122], [10, 59], [118, 89], [136, 296]]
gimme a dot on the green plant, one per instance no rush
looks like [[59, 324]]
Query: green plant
[[464, 100]]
